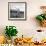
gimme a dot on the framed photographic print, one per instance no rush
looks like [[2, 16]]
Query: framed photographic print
[[17, 10]]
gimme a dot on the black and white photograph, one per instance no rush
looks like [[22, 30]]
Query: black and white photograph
[[16, 10]]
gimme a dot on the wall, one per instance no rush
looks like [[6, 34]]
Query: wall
[[28, 27]]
